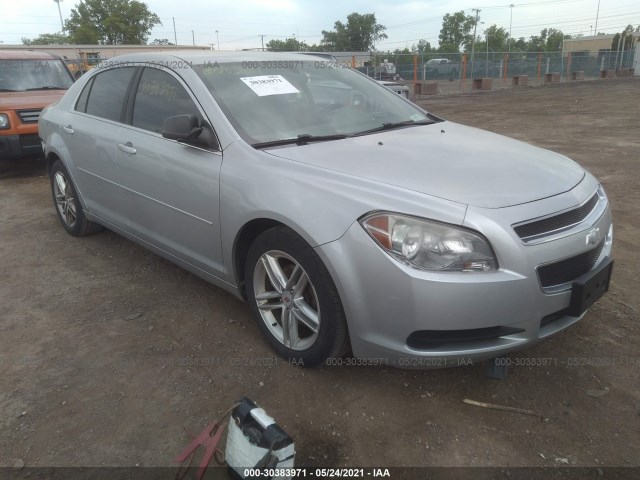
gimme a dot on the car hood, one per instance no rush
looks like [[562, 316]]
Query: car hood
[[30, 99], [447, 160]]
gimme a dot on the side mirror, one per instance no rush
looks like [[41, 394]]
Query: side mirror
[[187, 129], [181, 128]]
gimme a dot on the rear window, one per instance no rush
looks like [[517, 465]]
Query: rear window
[[108, 93]]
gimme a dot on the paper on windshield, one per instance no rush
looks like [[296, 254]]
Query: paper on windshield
[[265, 85]]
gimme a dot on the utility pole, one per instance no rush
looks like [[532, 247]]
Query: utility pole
[[60, 13], [193, 38], [595, 30], [217, 40], [262, 39], [473, 42]]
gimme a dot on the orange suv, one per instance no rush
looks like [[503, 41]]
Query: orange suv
[[29, 81]]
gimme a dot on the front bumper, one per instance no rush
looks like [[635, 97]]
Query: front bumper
[[386, 302], [14, 147]]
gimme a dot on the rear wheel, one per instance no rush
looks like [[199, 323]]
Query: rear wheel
[[294, 299], [68, 207]]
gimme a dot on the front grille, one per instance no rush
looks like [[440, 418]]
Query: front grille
[[557, 222], [568, 270], [29, 116]]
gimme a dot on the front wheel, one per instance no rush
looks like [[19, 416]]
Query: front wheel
[[294, 299]]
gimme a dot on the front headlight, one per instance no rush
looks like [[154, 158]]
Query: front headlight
[[4, 121], [429, 245]]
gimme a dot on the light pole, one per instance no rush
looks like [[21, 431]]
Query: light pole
[[595, 30], [510, 23], [473, 42], [60, 13], [217, 40]]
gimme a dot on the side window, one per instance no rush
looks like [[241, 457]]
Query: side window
[[81, 104], [108, 93], [158, 97]]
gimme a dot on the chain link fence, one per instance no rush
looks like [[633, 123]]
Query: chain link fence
[[457, 71]]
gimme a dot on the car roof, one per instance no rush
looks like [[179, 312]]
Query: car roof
[[25, 55], [199, 57]]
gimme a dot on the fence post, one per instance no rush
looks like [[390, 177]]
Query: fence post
[[415, 69], [353, 61], [568, 65], [464, 71], [539, 64], [506, 66]]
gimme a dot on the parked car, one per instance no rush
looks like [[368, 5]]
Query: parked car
[[442, 67], [342, 213], [396, 87], [29, 81]]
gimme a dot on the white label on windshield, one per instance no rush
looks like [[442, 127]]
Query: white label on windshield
[[265, 85]]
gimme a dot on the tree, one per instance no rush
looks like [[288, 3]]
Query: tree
[[422, 47], [520, 45], [360, 33], [288, 45], [625, 38], [549, 40], [456, 32], [161, 41], [47, 39], [111, 22], [555, 39], [497, 37]]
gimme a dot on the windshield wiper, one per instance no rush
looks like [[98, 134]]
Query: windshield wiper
[[47, 87], [301, 139], [392, 125]]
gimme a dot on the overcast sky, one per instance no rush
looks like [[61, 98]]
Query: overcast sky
[[241, 22]]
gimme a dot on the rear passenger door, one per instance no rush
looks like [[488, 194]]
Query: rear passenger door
[[90, 135], [170, 190]]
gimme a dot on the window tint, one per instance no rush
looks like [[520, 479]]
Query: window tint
[[109, 92], [160, 96], [81, 104]]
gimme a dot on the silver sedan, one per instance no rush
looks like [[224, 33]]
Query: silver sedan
[[347, 217]]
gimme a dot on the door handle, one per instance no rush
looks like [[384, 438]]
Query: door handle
[[68, 129], [127, 148]]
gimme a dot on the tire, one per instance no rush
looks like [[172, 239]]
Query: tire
[[286, 280], [67, 205]]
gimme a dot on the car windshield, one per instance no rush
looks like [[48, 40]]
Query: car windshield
[[21, 75], [269, 101]]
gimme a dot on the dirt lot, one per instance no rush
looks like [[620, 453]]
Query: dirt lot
[[97, 337]]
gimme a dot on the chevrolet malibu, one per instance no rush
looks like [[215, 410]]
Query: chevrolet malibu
[[347, 217]]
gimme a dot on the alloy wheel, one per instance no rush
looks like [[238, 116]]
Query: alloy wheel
[[65, 200], [287, 300]]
